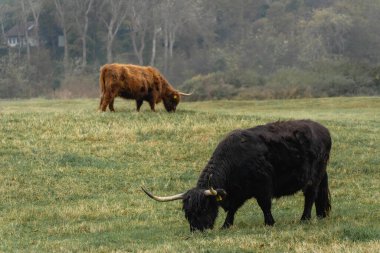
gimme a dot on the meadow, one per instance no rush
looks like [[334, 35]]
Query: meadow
[[71, 176]]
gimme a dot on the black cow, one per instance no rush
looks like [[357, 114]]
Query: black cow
[[264, 162]]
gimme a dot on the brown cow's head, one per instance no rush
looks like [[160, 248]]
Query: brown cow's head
[[172, 99]]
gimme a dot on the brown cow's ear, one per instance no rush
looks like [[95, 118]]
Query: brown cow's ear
[[175, 97]]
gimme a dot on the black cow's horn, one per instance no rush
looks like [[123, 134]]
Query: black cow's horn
[[164, 199], [210, 192], [185, 94]]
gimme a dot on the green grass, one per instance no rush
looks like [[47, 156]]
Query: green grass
[[70, 177]]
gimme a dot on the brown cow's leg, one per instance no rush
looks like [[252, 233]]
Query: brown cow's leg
[[152, 104], [139, 102], [106, 100], [111, 105], [101, 101]]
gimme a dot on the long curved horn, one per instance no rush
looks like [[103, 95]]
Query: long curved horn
[[164, 199], [185, 94]]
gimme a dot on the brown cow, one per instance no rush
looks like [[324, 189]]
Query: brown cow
[[136, 82]]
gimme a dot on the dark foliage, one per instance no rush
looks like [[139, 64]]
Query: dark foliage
[[218, 49]]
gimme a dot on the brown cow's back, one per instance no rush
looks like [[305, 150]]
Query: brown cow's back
[[129, 79]]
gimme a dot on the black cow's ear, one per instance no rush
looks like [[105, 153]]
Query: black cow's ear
[[221, 194], [218, 198]]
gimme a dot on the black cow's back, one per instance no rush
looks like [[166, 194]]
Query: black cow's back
[[280, 156]]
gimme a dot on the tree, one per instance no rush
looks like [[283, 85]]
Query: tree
[[82, 10], [325, 34], [35, 8], [63, 12], [114, 13], [4, 8], [156, 31], [364, 36], [139, 19], [24, 26], [175, 14]]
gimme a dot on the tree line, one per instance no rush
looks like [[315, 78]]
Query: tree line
[[218, 49]]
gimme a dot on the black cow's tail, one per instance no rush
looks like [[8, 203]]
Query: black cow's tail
[[323, 200]]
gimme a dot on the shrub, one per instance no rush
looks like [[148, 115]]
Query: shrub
[[210, 86]]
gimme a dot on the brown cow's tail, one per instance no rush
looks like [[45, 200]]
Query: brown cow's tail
[[323, 200], [102, 84], [101, 79]]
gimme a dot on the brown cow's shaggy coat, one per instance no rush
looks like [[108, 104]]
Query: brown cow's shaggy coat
[[136, 82]]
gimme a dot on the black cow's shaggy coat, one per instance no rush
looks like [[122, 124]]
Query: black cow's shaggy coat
[[264, 162]]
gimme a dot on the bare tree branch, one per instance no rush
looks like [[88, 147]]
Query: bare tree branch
[[113, 16], [82, 10]]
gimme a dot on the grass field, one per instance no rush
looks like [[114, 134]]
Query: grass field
[[70, 177]]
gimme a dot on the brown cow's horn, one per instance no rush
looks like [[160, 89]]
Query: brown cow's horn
[[185, 94], [164, 199]]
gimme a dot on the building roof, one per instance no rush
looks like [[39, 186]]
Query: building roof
[[18, 30]]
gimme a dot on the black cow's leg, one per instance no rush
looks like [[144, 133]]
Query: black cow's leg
[[322, 201], [233, 205], [310, 194], [229, 219], [139, 102], [265, 204]]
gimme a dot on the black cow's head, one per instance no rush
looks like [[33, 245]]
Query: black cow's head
[[200, 206]]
